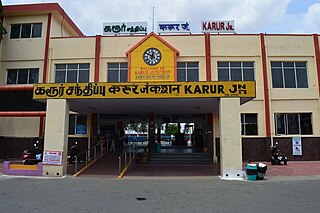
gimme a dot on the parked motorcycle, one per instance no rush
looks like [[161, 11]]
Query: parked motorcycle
[[73, 152], [33, 155], [277, 156]]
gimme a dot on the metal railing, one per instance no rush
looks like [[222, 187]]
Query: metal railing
[[126, 158], [89, 155]]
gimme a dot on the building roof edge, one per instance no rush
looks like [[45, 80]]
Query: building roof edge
[[45, 7]]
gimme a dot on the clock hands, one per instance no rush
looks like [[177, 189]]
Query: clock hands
[[152, 56]]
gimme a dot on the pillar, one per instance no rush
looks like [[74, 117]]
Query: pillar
[[215, 119], [151, 133], [56, 137], [230, 138]]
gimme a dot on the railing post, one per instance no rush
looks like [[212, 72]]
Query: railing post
[[87, 153], [125, 158], [76, 165], [119, 166]]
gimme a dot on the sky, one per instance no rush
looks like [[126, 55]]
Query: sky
[[250, 16]]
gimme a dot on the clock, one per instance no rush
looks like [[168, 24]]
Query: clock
[[152, 56]]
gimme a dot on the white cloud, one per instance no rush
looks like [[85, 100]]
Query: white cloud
[[311, 22], [251, 16]]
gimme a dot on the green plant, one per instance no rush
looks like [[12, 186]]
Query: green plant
[[3, 30], [172, 128]]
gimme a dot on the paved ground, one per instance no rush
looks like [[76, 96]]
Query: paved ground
[[157, 194], [291, 188]]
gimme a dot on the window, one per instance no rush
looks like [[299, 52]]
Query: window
[[293, 123], [188, 71], [77, 124], [72, 73], [26, 30], [117, 72], [249, 124], [289, 74], [22, 76], [236, 71]]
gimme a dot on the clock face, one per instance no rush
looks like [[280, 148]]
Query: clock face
[[152, 56]]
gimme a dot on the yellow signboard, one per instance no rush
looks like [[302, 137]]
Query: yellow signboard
[[152, 60], [145, 90]]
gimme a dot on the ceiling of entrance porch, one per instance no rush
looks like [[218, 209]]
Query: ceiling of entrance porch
[[144, 106]]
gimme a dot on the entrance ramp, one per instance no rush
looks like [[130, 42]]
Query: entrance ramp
[[106, 166]]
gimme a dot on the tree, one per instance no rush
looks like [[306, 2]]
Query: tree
[[187, 128], [172, 128], [143, 127], [137, 127], [2, 29], [132, 127]]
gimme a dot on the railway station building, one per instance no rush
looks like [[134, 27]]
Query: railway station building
[[242, 92]]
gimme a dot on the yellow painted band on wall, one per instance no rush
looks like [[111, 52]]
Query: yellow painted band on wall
[[146, 90], [23, 167]]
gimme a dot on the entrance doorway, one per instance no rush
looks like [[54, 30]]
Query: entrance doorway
[[171, 132], [160, 139]]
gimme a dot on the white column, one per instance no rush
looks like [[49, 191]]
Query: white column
[[230, 138], [56, 135]]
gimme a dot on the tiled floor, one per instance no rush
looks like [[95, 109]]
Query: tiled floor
[[294, 168]]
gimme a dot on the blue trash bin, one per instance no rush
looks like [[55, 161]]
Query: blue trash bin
[[251, 170]]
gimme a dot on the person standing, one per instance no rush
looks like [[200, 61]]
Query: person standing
[[103, 141], [113, 143]]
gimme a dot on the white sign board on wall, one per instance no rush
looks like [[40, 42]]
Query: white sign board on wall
[[111, 28], [52, 158], [217, 27], [174, 27], [296, 146]]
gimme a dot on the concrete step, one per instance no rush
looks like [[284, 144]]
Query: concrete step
[[187, 155], [178, 163], [180, 158]]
